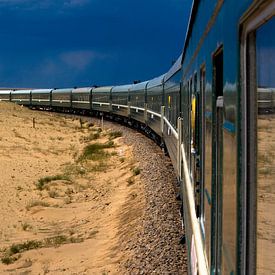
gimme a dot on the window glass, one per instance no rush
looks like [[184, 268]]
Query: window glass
[[265, 70]]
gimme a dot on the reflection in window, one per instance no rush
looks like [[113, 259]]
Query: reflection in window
[[265, 66]]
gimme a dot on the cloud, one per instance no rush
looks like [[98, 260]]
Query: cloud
[[81, 59]]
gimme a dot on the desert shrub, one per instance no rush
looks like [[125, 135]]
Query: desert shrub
[[37, 203], [114, 134], [96, 151], [43, 181], [136, 171]]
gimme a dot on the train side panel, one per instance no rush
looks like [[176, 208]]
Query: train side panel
[[62, 98], [41, 97], [172, 88], [81, 98], [120, 97], [137, 102], [101, 99], [5, 95], [22, 97], [154, 101]]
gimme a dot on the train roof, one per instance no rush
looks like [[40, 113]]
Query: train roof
[[104, 89], [66, 90], [122, 88], [5, 91], [18, 92], [174, 69], [41, 91], [193, 14], [139, 86], [156, 81], [83, 90]]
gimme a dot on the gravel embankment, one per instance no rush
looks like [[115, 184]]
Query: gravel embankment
[[156, 249]]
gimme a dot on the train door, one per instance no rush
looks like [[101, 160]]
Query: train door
[[201, 146], [258, 255], [194, 151], [217, 160], [190, 135]]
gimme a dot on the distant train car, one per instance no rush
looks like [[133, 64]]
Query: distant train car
[[266, 100], [154, 100], [101, 99], [120, 98], [41, 97], [22, 97], [137, 104], [62, 98], [82, 98], [5, 95], [172, 89]]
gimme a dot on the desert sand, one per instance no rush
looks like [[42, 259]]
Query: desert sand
[[266, 195], [64, 210]]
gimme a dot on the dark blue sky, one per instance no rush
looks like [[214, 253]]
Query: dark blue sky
[[54, 43]]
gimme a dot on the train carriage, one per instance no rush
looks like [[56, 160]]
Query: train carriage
[[172, 88], [120, 99], [82, 98], [5, 95], [62, 98], [101, 99], [22, 97], [41, 97], [154, 101], [137, 103]]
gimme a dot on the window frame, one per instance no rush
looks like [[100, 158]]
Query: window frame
[[258, 14]]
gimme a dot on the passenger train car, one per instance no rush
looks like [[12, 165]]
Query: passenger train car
[[215, 112]]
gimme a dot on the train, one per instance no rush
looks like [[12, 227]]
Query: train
[[214, 111]]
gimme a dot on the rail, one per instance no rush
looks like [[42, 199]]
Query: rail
[[174, 132], [202, 265]]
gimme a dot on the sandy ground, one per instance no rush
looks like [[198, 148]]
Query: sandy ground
[[266, 195], [72, 221]]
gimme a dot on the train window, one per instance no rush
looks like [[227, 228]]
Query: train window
[[189, 126], [201, 109], [265, 133], [260, 141], [217, 145]]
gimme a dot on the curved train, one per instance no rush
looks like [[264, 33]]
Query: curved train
[[215, 112]]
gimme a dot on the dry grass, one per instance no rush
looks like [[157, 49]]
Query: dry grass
[[95, 151], [16, 249], [115, 134], [26, 226], [136, 171], [43, 181], [37, 203]]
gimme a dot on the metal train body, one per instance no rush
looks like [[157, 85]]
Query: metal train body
[[213, 110]]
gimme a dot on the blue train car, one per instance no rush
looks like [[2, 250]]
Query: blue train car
[[228, 163]]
